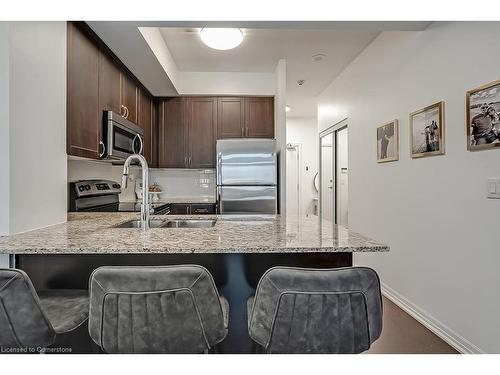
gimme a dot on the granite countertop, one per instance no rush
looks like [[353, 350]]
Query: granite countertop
[[86, 233]]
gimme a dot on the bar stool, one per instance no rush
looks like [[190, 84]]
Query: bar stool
[[304, 310], [31, 321], [156, 309]]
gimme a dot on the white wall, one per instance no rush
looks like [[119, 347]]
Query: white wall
[[432, 212], [304, 131], [227, 83], [37, 124], [33, 91], [280, 128]]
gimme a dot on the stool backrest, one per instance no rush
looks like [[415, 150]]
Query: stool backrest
[[23, 323], [301, 310], [167, 309]]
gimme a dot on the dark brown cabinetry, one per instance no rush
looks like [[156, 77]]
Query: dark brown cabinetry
[[202, 129], [83, 116], [129, 98], [231, 120], [109, 84], [249, 117], [192, 208], [259, 117], [146, 123], [97, 81], [171, 134]]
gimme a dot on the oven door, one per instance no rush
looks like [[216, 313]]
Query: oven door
[[123, 138]]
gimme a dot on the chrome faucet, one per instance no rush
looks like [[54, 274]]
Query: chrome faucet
[[145, 207]]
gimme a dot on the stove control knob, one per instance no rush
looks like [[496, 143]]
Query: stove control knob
[[81, 188], [116, 186], [87, 187]]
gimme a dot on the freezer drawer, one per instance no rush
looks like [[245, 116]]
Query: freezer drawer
[[246, 162], [247, 199]]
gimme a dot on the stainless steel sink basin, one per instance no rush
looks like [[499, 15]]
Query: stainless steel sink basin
[[174, 223], [189, 223], [137, 224]]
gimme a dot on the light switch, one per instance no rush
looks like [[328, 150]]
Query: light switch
[[493, 188]]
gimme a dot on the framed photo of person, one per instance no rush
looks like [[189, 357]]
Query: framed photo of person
[[388, 142], [483, 117], [427, 131]]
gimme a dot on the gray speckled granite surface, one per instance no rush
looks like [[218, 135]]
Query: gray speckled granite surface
[[86, 233]]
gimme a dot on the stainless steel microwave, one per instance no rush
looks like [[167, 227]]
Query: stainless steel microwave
[[120, 137]]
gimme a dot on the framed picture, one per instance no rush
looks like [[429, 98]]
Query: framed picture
[[388, 142], [427, 131], [483, 117]]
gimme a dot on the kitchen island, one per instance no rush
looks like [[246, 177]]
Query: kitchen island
[[237, 250]]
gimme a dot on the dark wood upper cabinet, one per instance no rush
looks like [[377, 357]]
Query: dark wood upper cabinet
[[259, 117], [146, 123], [172, 151], [231, 119], [129, 98], [109, 85], [83, 117], [202, 122]]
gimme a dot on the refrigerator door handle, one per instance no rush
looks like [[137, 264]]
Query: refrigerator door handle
[[219, 203], [219, 168]]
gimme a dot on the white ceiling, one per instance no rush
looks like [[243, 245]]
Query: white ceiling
[[264, 44], [262, 48]]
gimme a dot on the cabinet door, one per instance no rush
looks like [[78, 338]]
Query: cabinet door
[[154, 134], [202, 123], [230, 120], [83, 119], [145, 122], [259, 117], [129, 97], [171, 134], [109, 85]]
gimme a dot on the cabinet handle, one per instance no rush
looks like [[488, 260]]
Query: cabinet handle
[[126, 112], [122, 110], [185, 161], [190, 161], [242, 131]]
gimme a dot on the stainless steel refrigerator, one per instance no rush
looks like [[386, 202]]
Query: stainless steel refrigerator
[[247, 176]]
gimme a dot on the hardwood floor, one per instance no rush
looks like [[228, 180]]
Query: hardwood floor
[[402, 334]]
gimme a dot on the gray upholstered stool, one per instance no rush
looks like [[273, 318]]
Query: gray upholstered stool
[[31, 320], [303, 310], [156, 309]]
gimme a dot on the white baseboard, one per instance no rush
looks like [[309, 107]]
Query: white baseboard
[[452, 338]]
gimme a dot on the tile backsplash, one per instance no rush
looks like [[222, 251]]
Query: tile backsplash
[[174, 183]]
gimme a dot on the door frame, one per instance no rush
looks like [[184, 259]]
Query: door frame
[[342, 124]]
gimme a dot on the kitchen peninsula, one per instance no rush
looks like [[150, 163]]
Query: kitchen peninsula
[[237, 250]]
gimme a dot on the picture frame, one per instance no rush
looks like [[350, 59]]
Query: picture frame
[[427, 131], [482, 118], [388, 142]]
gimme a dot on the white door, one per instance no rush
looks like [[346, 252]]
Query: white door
[[293, 204], [326, 183], [342, 180]]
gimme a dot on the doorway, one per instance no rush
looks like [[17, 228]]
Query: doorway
[[293, 179], [334, 176]]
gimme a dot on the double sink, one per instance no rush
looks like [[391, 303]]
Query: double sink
[[173, 223]]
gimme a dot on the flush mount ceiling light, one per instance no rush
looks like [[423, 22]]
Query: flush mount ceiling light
[[221, 38]]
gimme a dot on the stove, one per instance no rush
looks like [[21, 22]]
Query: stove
[[102, 196]]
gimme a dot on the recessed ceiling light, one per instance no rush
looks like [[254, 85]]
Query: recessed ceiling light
[[221, 38], [300, 82], [318, 57], [288, 108]]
